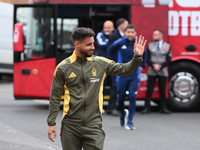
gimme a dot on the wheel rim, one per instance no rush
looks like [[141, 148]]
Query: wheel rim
[[183, 87]]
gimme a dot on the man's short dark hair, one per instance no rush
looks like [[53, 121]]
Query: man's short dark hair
[[130, 26], [79, 34], [159, 30], [120, 21]]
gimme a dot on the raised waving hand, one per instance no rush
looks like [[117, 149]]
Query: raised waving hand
[[139, 45]]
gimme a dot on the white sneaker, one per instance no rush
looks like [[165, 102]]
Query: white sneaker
[[126, 117], [130, 127]]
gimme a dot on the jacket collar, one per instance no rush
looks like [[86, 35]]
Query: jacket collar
[[73, 57]]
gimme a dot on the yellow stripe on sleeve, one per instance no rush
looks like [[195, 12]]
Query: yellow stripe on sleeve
[[61, 63], [101, 94], [66, 101]]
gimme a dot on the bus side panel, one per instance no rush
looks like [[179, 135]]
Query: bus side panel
[[146, 19], [184, 30], [32, 79]]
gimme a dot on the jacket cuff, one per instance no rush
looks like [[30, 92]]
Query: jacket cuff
[[138, 57], [51, 124]]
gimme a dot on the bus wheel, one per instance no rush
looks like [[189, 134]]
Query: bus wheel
[[184, 81]]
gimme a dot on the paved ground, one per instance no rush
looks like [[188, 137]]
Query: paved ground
[[23, 127]]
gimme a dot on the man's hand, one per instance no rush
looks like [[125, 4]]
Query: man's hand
[[51, 130], [139, 45], [156, 67]]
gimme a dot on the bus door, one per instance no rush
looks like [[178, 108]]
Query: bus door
[[71, 16], [34, 50]]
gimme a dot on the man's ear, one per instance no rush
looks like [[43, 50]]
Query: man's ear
[[76, 44]]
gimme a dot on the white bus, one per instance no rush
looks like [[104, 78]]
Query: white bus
[[6, 39]]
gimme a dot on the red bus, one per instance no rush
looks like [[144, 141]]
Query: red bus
[[42, 39]]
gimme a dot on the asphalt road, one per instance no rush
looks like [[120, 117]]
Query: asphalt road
[[23, 127]]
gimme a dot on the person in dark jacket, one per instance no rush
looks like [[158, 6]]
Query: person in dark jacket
[[103, 36], [125, 48], [158, 58], [81, 76], [122, 23], [102, 39]]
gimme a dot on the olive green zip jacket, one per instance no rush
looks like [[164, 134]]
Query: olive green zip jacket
[[82, 81]]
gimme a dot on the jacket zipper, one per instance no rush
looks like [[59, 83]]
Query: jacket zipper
[[84, 91]]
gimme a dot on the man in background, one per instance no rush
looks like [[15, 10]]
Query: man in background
[[125, 48], [121, 23], [158, 58], [103, 36]]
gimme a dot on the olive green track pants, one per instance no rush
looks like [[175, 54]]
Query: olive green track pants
[[75, 137]]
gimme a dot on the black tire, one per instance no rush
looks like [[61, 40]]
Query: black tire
[[184, 91]]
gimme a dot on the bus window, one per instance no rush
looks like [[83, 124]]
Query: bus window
[[37, 32], [65, 45], [65, 27]]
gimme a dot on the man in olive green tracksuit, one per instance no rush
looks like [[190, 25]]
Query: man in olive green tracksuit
[[81, 76]]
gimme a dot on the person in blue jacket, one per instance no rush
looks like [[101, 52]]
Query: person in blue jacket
[[125, 48], [103, 36]]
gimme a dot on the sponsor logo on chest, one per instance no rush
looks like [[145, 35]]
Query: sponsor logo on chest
[[92, 80]]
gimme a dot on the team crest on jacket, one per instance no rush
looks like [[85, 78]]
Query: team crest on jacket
[[94, 72]]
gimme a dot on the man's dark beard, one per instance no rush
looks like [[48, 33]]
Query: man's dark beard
[[156, 40], [130, 40], [85, 54]]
